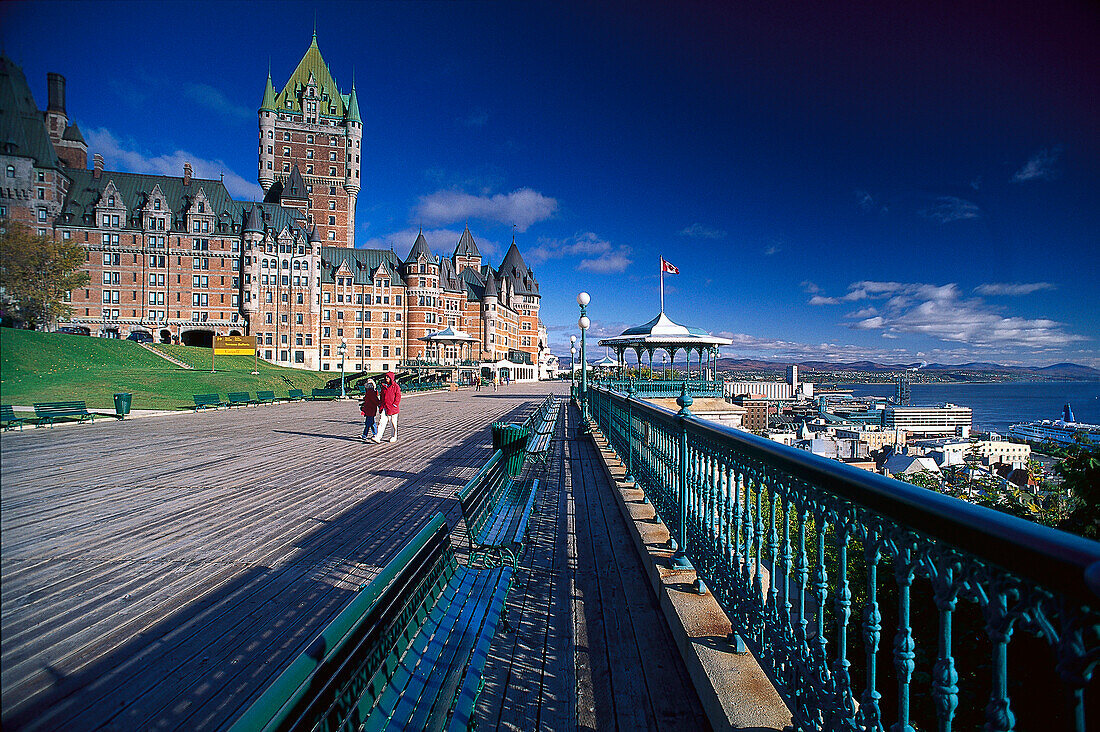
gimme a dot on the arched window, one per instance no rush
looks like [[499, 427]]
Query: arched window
[[11, 171]]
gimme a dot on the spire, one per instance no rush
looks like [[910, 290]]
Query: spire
[[419, 247], [253, 223], [466, 245], [268, 104], [353, 106], [314, 237], [295, 187], [514, 268], [491, 289]]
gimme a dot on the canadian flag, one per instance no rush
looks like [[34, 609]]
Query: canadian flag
[[669, 267]]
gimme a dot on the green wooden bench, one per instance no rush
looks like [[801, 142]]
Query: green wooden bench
[[295, 395], [239, 399], [325, 394], [8, 418], [406, 654], [206, 401], [50, 412], [542, 430], [265, 397], [496, 509]]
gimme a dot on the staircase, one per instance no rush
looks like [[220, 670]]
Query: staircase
[[149, 347]]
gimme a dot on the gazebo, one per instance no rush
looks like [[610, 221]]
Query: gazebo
[[663, 335], [450, 346]]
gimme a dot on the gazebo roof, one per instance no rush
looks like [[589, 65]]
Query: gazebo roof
[[448, 335], [606, 362], [661, 333]]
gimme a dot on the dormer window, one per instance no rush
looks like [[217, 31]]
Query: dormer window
[[202, 207], [156, 205], [111, 201]]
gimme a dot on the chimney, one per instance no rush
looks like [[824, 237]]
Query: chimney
[[55, 85], [187, 174], [97, 165]]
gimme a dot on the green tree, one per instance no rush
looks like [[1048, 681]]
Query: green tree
[[1079, 470], [37, 274]]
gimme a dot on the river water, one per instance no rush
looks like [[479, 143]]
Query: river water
[[996, 406]]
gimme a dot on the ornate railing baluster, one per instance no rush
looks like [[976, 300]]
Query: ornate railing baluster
[[870, 712], [904, 645], [819, 655], [945, 679], [998, 713], [842, 607], [773, 553]]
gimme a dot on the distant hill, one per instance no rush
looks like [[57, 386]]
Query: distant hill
[[1057, 371]]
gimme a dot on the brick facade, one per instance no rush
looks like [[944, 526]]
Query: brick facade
[[179, 258]]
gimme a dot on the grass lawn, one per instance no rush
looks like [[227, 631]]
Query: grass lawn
[[49, 367]]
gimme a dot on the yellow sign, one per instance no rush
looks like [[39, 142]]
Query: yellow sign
[[234, 345]]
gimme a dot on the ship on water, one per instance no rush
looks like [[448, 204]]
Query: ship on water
[[1064, 431]]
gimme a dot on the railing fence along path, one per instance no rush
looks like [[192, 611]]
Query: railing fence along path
[[848, 584], [664, 389]]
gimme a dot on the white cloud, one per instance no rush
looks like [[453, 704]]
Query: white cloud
[[440, 241], [216, 100], [607, 263], [951, 208], [592, 252], [122, 157], [699, 231], [809, 287], [773, 249], [1012, 288], [521, 207], [941, 312], [1040, 166]]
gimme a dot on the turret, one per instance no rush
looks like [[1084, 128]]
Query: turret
[[252, 236], [267, 116], [354, 125]]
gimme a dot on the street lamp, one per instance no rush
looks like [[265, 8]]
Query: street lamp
[[342, 349], [572, 359], [583, 299]]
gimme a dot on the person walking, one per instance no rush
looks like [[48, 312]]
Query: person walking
[[477, 383], [369, 408], [391, 405]]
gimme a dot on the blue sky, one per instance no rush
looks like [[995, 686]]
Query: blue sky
[[900, 184]]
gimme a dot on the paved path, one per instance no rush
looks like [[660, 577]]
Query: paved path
[[158, 573]]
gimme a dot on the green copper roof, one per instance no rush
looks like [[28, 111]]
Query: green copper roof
[[312, 65], [22, 132], [353, 108], [362, 263], [268, 103]]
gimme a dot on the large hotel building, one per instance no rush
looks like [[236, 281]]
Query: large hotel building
[[180, 259]]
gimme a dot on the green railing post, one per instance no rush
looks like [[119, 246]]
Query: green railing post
[[679, 557], [628, 442]]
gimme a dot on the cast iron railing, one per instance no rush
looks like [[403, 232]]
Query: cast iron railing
[[746, 510], [664, 388]]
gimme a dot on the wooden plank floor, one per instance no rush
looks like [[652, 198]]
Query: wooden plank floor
[[156, 573], [588, 648]]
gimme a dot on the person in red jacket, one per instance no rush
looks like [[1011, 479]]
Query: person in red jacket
[[391, 405], [369, 408]]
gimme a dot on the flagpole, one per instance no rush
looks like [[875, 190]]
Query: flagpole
[[662, 284]]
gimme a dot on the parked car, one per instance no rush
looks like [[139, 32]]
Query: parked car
[[139, 336]]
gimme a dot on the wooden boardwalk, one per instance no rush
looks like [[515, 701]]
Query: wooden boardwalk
[[157, 573]]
